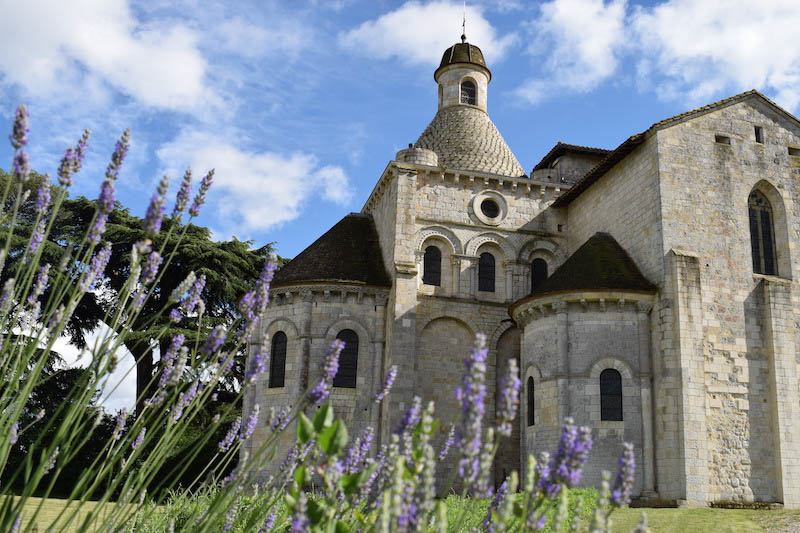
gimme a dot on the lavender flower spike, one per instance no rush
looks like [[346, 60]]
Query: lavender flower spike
[[155, 211], [118, 157], [623, 486], [37, 237], [329, 369], [200, 199], [451, 437], [21, 167], [567, 465], [388, 381], [258, 364], [300, 523], [184, 194], [472, 395], [226, 443], [43, 196], [12, 438], [139, 439], [250, 426], [502, 492], [97, 266], [19, 130], [214, 340], [508, 402], [72, 160], [122, 417]]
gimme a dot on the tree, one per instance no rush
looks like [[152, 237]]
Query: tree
[[230, 269]]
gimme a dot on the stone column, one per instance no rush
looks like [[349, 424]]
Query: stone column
[[562, 374], [784, 403], [305, 339], [645, 386], [455, 265], [380, 366]]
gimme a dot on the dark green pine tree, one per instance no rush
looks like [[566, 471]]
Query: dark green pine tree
[[230, 267]]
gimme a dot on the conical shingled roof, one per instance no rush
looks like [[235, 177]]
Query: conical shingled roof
[[600, 263], [465, 138], [349, 252]]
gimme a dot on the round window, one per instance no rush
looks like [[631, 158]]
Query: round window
[[490, 208]]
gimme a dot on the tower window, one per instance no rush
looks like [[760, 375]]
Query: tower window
[[468, 92], [348, 360], [610, 395], [531, 417], [486, 272], [277, 364], [432, 266], [759, 134], [762, 236], [538, 273]]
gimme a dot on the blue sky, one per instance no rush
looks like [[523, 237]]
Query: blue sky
[[300, 104]]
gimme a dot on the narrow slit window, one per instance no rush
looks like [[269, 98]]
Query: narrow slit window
[[531, 403], [486, 272], [762, 234], [610, 395], [759, 134], [468, 92], [432, 266], [348, 360], [277, 365], [722, 139], [794, 151]]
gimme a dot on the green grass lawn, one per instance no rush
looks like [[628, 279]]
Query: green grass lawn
[[50, 511], [701, 520]]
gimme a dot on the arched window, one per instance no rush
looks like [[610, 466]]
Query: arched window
[[432, 266], [277, 360], [538, 273], [486, 272], [468, 92], [531, 417], [610, 395], [348, 360], [762, 236]]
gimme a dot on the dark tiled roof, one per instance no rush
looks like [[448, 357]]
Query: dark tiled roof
[[600, 263], [348, 252], [463, 53], [562, 148], [619, 153]]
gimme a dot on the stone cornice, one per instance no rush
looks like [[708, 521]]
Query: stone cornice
[[534, 307], [294, 293]]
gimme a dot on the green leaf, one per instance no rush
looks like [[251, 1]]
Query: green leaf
[[316, 511], [352, 483], [305, 430], [333, 439], [301, 477], [342, 527], [323, 418]]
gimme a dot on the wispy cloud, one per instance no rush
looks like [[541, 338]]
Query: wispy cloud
[[416, 33], [255, 190]]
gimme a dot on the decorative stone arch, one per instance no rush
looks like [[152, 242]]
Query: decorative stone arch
[[479, 240], [498, 332], [441, 232], [292, 356], [365, 358], [619, 365], [545, 247], [469, 324], [353, 323], [278, 324], [780, 207]]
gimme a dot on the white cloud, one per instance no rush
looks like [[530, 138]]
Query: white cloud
[[86, 47], [700, 49], [580, 40], [418, 33], [254, 190], [283, 36]]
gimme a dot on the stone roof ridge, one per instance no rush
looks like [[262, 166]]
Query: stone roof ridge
[[599, 264], [349, 252], [559, 147], [629, 144], [465, 138]]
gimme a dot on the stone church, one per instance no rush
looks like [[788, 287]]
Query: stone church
[[648, 291]]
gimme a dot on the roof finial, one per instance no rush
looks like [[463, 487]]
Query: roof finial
[[464, 24]]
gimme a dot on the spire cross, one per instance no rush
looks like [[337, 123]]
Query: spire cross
[[464, 24]]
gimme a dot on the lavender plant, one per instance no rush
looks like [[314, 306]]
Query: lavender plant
[[323, 483]]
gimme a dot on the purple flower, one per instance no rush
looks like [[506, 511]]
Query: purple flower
[[155, 211], [139, 438], [200, 198], [451, 437], [184, 400], [122, 417], [21, 165], [184, 193], [19, 129], [12, 438], [72, 160], [105, 202], [258, 364], [269, 523], [567, 465], [118, 157], [151, 268], [182, 288], [37, 237], [43, 197], [98, 228], [508, 402], [358, 451], [411, 417], [250, 426], [175, 315], [330, 367], [388, 381], [214, 341], [40, 285], [472, 395], [278, 419], [194, 302], [16, 524], [623, 485], [97, 266], [226, 443], [300, 523], [502, 492]]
